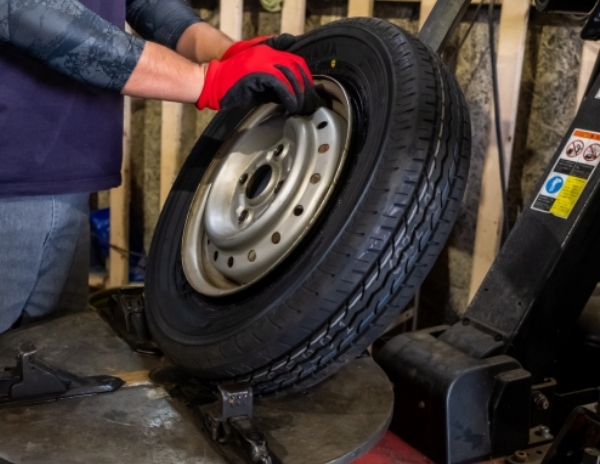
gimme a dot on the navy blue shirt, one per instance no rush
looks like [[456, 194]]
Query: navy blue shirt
[[58, 135]]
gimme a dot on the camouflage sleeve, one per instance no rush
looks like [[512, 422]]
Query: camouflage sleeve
[[71, 39], [161, 21]]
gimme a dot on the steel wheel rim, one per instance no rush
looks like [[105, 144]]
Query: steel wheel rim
[[263, 191]]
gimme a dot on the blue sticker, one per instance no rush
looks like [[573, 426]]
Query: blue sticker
[[554, 184]]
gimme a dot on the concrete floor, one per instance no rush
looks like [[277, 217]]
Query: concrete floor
[[141, 423]]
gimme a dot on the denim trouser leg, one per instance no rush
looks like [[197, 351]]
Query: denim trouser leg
[[44, 256]]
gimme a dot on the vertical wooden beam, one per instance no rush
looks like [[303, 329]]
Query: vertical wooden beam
[[118, 272], [170, 146], [360, 8], [588, 58], [426, 7], [511, 48], [293, 17], [231, 16]]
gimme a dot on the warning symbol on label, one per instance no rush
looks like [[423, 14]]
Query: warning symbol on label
[[592, 153], [573, 169], [574, 149], [554, 184]]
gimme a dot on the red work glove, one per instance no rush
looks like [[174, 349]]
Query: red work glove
[[277, 42], [259, 75]]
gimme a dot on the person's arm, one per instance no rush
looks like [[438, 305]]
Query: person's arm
[[174, 24], [202, 43], [164, 75], [71, 39]]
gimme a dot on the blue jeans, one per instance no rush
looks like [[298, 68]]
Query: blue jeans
[[44, 256]]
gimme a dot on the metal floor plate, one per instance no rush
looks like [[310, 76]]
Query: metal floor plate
[[333, 423]]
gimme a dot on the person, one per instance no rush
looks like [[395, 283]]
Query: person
[[64, 65]]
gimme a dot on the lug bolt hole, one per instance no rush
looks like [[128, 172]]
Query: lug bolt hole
[[322, 125], [251, 256], [278, 151], [315, 178], [298, 210], [276, 237], [230, 261], [243, 179], [216, 255], [323, 148], [278, 187], [243, 216]]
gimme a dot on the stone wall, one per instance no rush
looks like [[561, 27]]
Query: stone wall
[[546, 108]]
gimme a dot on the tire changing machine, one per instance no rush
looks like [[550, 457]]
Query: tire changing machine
[[483, 387]]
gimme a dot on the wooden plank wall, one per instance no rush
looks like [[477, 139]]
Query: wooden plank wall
[[588, 58], [360, 8], [512, 33], [512, 30], [170, 144], [293, 16], [118, 272]]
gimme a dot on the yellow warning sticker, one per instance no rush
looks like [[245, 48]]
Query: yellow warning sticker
[[568, 196], [574, 167]]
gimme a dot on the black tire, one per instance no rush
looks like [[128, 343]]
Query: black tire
[[370, 250]]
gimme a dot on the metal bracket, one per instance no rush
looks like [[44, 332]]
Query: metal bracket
[[578, 440], [224, 415], [229, 421], [33, 380], [125, 314]]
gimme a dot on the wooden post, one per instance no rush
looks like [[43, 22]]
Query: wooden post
[[426, 7], [170, 146], [231, 17], [588, 58], [118, 273], [293, 16], [511, 48], [360, 8], [172, 113]]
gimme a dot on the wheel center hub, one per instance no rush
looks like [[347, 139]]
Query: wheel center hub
[[259, 181]]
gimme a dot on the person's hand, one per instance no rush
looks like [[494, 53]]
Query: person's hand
[[277, 42], [258, 75]]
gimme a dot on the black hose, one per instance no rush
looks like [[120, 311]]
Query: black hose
[[464, 38]]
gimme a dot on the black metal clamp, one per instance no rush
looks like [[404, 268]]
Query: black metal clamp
[[125, 313], [224, 415], [229, 421], [33, 380]]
